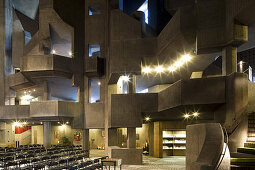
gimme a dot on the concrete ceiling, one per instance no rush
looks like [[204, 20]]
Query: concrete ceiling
[[198, 63], [27, 7]]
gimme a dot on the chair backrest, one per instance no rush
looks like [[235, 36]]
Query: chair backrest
[[35, 160], [9, 158], [20, 156], [45, 158], [22, 162], [54, 157], [30, 156], [62, 161], [79, 158], [96, 160]]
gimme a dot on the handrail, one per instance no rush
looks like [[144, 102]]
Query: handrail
[[224, 153]]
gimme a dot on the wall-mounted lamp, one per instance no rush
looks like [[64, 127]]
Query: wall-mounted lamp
[[125, 78], [147, 119]]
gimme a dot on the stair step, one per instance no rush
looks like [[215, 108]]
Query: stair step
[[241, 155], [246, 162], [249, 145], [246, 150], [241, 168]]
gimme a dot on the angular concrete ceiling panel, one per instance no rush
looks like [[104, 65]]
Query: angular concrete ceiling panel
[[27, 7]]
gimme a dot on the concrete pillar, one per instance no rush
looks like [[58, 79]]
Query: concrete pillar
[[229, 60], [85, 139], [112, 137], [158, 140], [151, 138], [46, 134], [131, 86], [2, 51], [131, 137], [46, 91]]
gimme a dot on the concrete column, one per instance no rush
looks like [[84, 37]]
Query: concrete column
[[131, 137], [46, 91], [151, 138], [131, 86], [85, 139], [2, 51], [158, 140], [229, 60], [112, 137], [46, 134]]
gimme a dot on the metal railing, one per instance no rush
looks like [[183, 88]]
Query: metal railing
[[225, 149]]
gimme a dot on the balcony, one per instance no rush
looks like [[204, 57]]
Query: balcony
[[95, 66], [94, 113], [205, 94], [126, 109], [14, 112], [47, 64], [53, 109]]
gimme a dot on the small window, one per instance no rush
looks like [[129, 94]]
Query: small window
[[121, 5], [94, 90], [27, 37], [94, 50], [94, 11], [144, 8]]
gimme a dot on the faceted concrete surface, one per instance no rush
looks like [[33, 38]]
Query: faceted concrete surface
[[151, 163]]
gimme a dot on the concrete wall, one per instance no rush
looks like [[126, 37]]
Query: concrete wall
[[58, 132], [18, 41], [130, 156], [14, 112], [37, 134], [8, 132], [94, 116], [143, 133], [204, 145], [96, 139], [46, 62], [158, 88], [24, 138], [236, 99], [54, 108], [126, 109], [251, 97], [204, 91], [239, 136]]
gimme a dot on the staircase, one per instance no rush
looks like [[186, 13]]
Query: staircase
[[244, 158]]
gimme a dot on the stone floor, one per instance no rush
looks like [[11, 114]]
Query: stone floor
[[151, 163]]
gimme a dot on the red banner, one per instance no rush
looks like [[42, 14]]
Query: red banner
[[19, 130]]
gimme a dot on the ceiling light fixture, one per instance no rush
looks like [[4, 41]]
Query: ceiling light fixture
[[171, 68], [147, 119], [146, 70], [186, 116], [159, 69], [178, 63], [195, 114], [186, 58]]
